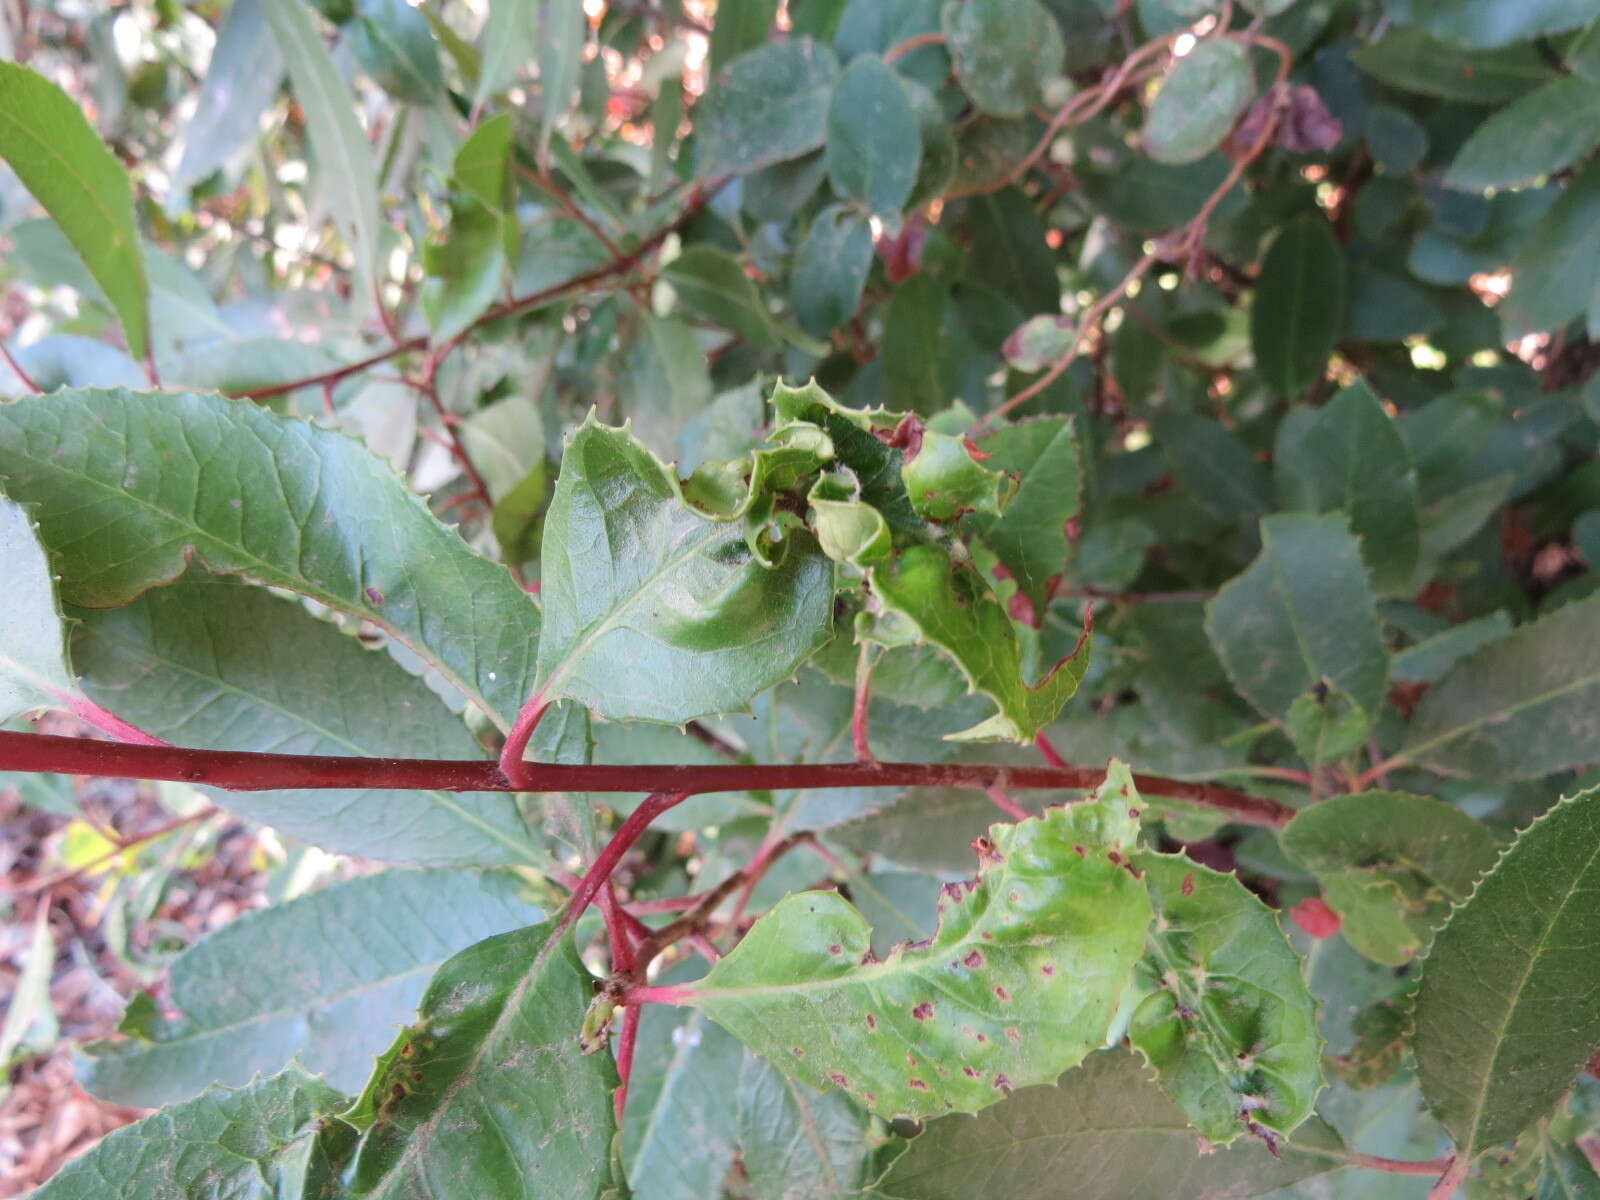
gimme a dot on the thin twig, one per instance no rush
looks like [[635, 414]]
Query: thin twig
[[860, 703], [110, 856]]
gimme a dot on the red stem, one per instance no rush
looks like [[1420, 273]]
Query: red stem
[[599, 873], [231, 769], [89, 712], [512, 766], [627, 1039], [1048, 751], [1007, 805], [863, 699]]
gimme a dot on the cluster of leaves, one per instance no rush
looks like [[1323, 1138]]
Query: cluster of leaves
[[428, 374]]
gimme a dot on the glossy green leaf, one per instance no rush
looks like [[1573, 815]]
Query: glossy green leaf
[[1554, 272], [1504, 1016], [1431, 659], [1004, 51], [1203, 96], [653, 612], [244, 76], [1301, 613], [1229, 1025], [46, 140], [848, 530], [767, 106], [1546, 130], [1108, 1130], [1520, 707], [563, 30], [830, 269], [34, 672], [796, 1143], [1324, 724], [741, 25], [343, 155], [348, 965], [466, 269], [200, 663], [1030, 536], [1011, 250], [275, 1138], [874, 142], [1019, 982], [1299, 306], [945, 477], [510, 36], [1409, 59], [1498, 23], [1213, 466], [487, 1093], [713, 283], [1349, 455], [126, 486], [392, 42], [1391, 865], [949, 605]]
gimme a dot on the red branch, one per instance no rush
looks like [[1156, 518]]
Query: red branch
[[239, 771]]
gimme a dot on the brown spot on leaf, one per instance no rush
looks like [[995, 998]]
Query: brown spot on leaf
[[1081, 851], [922, 1011], [836, 949], [374, 595], [1001, 992], [974, 959], [872, 1021], [970, 1072], [1002, 1083], [838, 1079], [1188, 884], [798, 1053], [918, 1084], [1047, 970], [1011, 1032]]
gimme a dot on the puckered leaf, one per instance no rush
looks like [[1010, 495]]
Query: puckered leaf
[[127, 485], [1505, 1014], [1230, 1027], [257, 1143], [1030, 536], [488, 1094], [950, 606], [1391, 865], [1019, 982], [1521, 706], [33, 653], [655, 612], [944, 478], [348, 965], [1106, 1129]]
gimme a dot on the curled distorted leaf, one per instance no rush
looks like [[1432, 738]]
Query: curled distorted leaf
[[849, 531], [1019, 982], [945, 477]]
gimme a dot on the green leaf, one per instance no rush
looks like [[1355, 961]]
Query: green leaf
[[392, 42], [949, 605], [796, 1143], [945, 478], [1430, 659], [243, 77], [1302, 612], [465, 269], [1202, 97], [200, 663], [1349, 455], [653, 612], [1537, 135], [874, 140], [1030, 536], [260, 1142], [1325, 724], [1497, 23], [767, 106], [848, 531], [509, 37], [1409, 59], [563, 30], [1298, 309], [1005, 51], [1019, 982], [1391, 865], [741, 25], [713, 283], [1108, 1130], [1555, 270], [488, 1094], [1010, 252], [126, 486], [1504, 1017], [348, 965], [1520, 707], [830, 269], [34, 672], [669, 382], [343, 155], [47, 141], [1229, 1025], [1213, 466]]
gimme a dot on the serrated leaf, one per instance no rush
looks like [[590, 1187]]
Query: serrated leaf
[[343, 155], [243, 77], [652, 611], [126, 486], [48, 142], [34, 672], [951, 606], [1391, 865], [1004, 51], [1544, 131], [1325, 724], [1030, 536], [488, 1094], [1302, 612], [1019, 982], [946, 477], [1229, 1026], [830, 269], [1432, 658], [1299, 306], [796, 1143], [1108, 1130], [260, 1142], [1520, 707], [1203, 96], [348, 965], [767, 106], [1349, 455], [1213, 466], [1504, 1016], [874, 142], [1409, 59], [1556, 267], [712, 282]]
